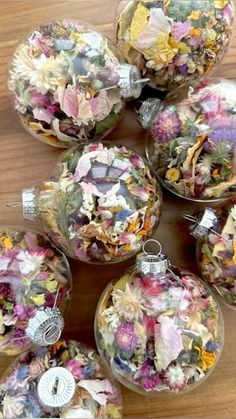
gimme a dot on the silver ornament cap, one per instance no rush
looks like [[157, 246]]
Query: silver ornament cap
[[205, 223], [147, 111], [130, 81], [56, 387], [29, 204], [152, 262], [46, 326]]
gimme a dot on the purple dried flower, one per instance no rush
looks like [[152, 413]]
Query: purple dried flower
[[151, 383], [18, 337], [166, 126], [125, 337], [224, 133], [183, 69]]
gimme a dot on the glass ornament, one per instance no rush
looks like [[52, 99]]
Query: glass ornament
[[99, 204], [69, 83], [64, 380], [215, 231], [192, 139], [35, 288], [158, 327], [174, 42]]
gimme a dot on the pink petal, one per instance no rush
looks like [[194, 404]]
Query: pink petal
[[70, 102], [180, 30], [168, 342], [42, 115]]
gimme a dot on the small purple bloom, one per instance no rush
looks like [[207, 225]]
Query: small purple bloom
[[183, 69], [212, 346], [23, 312], [18, 338], [151, 383], [145, 369], [166, 126], [224, 133], [49, 299], [125, 337]]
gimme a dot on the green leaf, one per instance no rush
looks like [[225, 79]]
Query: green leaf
[[107, 123], [8, 305], [62, 217], [71, 157]]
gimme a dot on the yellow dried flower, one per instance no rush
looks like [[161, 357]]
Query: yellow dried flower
[[173, 174]]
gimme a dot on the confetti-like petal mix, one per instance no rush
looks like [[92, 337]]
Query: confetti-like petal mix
[[159, 333], [193, 146], [216, 254], [33, 274], [61, 78], [174, 41], [101, 204], [96, 394]]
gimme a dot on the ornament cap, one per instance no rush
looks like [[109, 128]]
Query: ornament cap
[[203, 223], [153, 261], [56, 387], [130, 81], [29, 203], [46, 326], [147, 111]]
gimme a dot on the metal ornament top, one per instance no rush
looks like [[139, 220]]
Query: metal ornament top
[[205, 223], [29, 204], [152, 262], [46, 326], [56, 387], [130, 81], [147, 111]]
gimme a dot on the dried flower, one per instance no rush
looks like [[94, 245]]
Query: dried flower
[[166, 126], [175, 377], [125, 337]]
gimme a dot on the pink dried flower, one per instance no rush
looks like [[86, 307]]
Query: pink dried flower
[[151, 286], [152, 382], [166, 126], [75, 368], [23, 312], [149, 323]]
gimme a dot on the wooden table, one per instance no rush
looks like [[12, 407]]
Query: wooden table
[[25, 162]]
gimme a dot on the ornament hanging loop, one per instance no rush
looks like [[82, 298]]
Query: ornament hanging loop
[[155, 243]]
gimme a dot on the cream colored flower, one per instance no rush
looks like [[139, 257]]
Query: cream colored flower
[[48, 72], [43, 72], [127, 303]]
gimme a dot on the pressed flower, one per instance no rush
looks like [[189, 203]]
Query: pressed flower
[[75, 368], [166, 126], [173, 174], [162, 350], [13, 406], [33, 275], [64, 93], [115, 201], [128, 303], [196, 161], [157, 36], [92, 394], [175, 377], [125, 337]]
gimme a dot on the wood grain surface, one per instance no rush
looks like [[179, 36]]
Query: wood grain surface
[[25, 161]]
